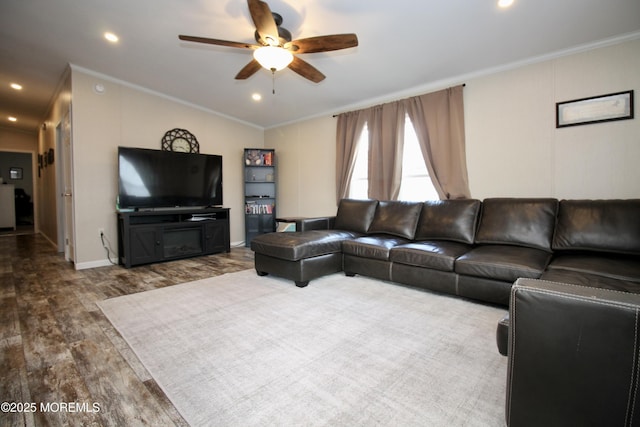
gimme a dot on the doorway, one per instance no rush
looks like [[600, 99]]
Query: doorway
[[16, 168]]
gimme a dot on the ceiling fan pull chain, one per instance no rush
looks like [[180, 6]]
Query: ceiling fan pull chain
[[273, 81]]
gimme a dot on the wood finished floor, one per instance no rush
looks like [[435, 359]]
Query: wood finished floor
[[56, 346]]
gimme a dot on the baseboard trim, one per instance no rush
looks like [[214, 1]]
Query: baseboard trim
[[93, 264]]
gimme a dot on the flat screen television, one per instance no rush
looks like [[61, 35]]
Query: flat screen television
[[150, 179]]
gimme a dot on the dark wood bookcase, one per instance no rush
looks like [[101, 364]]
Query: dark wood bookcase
[[259, 192]]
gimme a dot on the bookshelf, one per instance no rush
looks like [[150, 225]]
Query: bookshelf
[[259, 192]]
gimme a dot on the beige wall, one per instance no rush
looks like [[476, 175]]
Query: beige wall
[[18, 140], [513, 147], [128, 116], [306, 154]]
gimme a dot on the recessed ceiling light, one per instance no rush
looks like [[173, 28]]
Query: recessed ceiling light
[[256, 97], [505, 3], [12, 119], [16, 86], [111, 37]]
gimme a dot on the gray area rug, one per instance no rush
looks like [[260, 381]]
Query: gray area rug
[[243, 350]]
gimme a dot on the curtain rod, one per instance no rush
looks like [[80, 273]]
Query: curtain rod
[[336, 115]]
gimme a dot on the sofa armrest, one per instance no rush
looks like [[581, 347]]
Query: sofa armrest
[[318, 223], [573, 350]]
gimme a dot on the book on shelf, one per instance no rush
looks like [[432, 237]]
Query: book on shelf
[[252, 207], [268, 159]]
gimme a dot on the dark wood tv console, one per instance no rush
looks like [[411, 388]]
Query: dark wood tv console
[[145, 237]]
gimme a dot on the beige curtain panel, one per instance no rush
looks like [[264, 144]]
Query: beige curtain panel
[[438, 119], [349, 128]]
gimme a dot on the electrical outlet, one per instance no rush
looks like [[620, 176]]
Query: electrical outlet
[[101, 231]]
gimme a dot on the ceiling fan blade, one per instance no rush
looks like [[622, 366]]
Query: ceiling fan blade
[[306, 70], [323, 43], [264, 22], [218, 42], [248, 70]]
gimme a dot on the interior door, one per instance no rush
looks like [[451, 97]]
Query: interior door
[[67, 193]]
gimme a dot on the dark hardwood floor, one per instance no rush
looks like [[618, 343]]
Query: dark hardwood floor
[[61, 361]]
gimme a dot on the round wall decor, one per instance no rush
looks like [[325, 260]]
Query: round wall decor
[[180, 140]]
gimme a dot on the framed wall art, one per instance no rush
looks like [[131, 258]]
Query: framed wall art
[[15, 173], [596, 109]]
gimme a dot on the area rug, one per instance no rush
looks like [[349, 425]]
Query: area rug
[[244, 350]]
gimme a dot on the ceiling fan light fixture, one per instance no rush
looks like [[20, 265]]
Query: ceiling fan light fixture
[[272, 57]]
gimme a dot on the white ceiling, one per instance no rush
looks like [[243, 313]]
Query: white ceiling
[[405, 46]]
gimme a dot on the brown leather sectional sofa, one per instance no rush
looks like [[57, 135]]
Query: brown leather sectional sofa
[[572, 332], [471, 248]]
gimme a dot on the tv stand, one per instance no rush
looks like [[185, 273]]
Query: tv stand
[[146, 237]]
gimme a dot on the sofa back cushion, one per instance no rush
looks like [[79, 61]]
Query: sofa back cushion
[[355, 215], [518, 221], [396, 218], [599, 225], [453, 220]]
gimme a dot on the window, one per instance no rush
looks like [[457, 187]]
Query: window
[[360, 178], [416, 184]]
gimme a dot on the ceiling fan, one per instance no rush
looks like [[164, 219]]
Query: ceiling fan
[[275, 49]]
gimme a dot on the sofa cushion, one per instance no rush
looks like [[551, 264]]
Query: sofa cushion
[[518, 221], [300, 245], [453, 220], [355, 215], [599, 225], [502, 262], [375, 247], [615, 267], [581, 278], [438, 255], [396, 218]]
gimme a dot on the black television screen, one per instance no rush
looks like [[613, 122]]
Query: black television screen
[[165, 179]]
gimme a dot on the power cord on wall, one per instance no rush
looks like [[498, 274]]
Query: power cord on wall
[[105, 245]]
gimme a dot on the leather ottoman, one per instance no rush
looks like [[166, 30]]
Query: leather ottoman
[[300, 257]]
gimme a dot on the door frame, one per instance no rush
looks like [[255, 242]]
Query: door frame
[[64, 188]]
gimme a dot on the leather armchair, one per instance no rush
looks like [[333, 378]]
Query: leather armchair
[[573, 356]]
